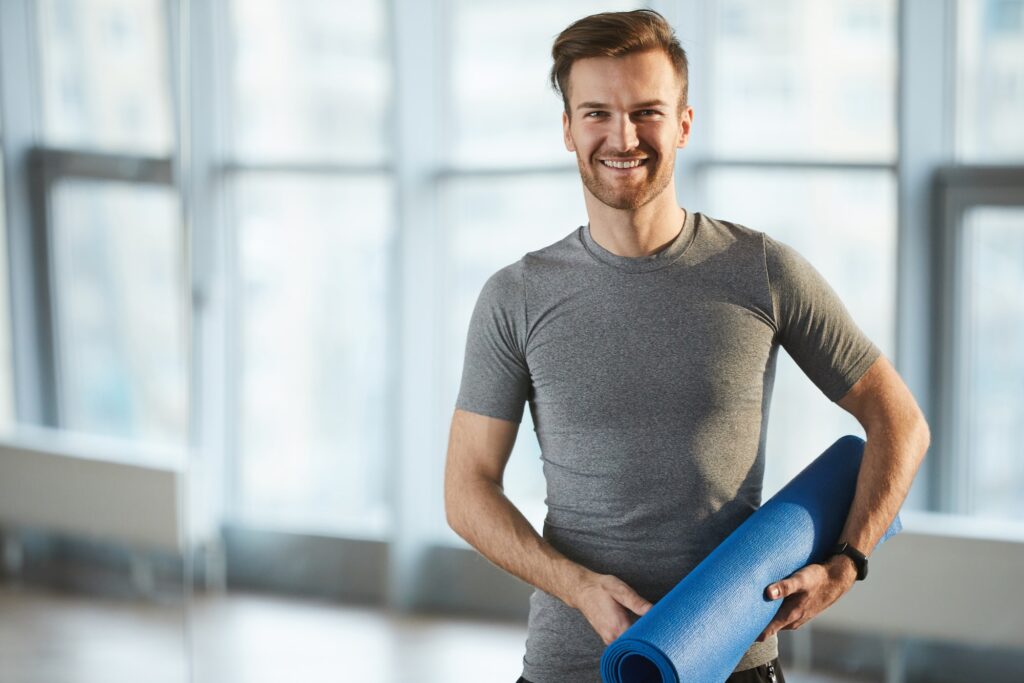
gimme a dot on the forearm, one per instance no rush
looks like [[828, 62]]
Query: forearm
[[488, 521], [892, 456]]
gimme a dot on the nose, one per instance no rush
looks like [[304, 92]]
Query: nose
[[623, 135]]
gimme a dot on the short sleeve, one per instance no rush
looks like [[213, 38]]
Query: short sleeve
[[813, 325], [495, 377]]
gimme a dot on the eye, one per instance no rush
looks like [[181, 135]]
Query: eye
[[649, 112], [594, 114]]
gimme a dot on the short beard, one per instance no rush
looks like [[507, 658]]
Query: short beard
[[631, 199]]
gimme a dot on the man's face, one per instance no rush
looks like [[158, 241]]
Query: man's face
[[624, 111]]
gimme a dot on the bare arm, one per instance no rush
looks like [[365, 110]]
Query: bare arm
[[897, 438], [478, 511]]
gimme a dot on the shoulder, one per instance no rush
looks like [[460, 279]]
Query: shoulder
[[729, 230], [503, 289], [785, 263], [717, 234], [558, 254], [507, 279], [727, 244], [507, 286]]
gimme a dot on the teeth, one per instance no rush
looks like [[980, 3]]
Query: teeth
[[622, 164]]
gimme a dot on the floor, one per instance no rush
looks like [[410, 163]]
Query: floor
[[48, 637]]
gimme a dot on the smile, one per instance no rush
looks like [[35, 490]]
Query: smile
[[632, 163]]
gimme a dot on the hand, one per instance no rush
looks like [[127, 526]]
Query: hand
[[808, 593], [608, 604]]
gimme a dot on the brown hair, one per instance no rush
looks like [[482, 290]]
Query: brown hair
[[615, 34]]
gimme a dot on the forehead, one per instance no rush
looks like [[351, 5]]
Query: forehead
[[640, 76]]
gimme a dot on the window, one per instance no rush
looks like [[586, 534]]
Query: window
[[803, 144], [802, 79], [310, 81], [992, 366], [111, 216], [312, 211], [105, 80], [990, 100], [117, 265], [981, 266], [313, 272]]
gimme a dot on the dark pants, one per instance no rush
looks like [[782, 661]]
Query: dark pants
[[759, 674]]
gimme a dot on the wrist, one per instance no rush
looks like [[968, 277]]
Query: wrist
[[859, 559], [842, 567], [572, 579]]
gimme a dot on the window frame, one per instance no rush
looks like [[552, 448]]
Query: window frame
[[48, 166], [31, 169], [958, 189]]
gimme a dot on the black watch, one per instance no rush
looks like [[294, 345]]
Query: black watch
[[860, 560]]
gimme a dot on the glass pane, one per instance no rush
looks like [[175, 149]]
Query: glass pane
[[494, 222], [311, 80], [314, 265], [503, 108], [801, 78], [844, 223], [7, 416], [991, 80], [118, 265], [105, 79], [992, 410]]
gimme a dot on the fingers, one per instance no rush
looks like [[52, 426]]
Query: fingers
[[610, 607], [630, 599], [612, 634], [611, 622], [791, 616], [804, 595]]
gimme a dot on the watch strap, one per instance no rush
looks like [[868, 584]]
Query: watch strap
[[860, 560]]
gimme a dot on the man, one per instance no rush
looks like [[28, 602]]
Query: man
[[645, 344]]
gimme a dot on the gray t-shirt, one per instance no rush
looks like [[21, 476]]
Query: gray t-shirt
[[649, 380]]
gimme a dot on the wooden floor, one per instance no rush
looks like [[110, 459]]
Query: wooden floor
[[243, 638]]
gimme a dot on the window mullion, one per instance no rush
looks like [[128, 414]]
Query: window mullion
[[924, 132], [32, 348]]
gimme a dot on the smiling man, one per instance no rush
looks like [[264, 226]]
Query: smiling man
[[645, 344]]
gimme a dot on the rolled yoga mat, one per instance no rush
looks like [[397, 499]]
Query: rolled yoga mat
[[700, 630]]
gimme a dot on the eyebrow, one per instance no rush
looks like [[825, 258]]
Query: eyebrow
[[641, 105]]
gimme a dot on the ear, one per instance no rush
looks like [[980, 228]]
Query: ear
[[567, 133], [685, 123]]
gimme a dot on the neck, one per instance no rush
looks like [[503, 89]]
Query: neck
[[636, 232]]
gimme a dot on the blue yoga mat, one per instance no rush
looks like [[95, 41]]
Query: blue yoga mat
[[700, 630]]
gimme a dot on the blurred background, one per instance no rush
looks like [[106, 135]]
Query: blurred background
[[241, 243]]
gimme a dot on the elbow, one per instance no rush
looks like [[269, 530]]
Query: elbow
[[455, 504], [454, 521], [924, 436], [466, 496], [451, 513]]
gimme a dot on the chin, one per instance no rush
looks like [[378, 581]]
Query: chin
[[626, 201]]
